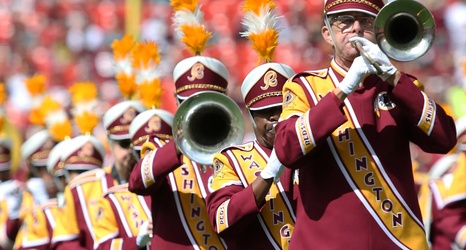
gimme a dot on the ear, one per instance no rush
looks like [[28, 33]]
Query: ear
[[326, 34]]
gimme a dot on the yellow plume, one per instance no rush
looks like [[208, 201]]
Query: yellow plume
[[84, 97], [48, 105], [83, 92], [188, 20], [3, 93], [195, 38], [53, 116], [151, 93], [61, 130], [127, 85], [261, 22], [257, 5], [124, 73], [36, 84], [122, 48], [146, 58], [86, 122], [179, 5]]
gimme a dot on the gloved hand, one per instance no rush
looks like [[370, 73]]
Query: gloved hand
[[38, 190], [377, 54], [273, 169], [145, 234], [358, 70], [14, 198]]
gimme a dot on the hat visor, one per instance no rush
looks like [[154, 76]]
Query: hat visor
[[190, 92], [119, 137]]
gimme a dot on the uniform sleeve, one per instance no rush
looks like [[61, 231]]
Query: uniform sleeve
[[66, 231], [230, 206], [107, 231], [151, 170], [451, 221], [431, 128], [34, 233], [301, 128], [106, 228]]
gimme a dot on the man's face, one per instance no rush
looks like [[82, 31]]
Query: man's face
[[50, 186], [123, 158], [345, 26], [265, 120]]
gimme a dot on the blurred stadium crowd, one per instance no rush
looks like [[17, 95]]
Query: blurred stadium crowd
[[69, 41]]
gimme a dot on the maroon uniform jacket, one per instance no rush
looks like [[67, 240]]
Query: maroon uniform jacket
[[356, 180], [232, 206], [178, 188]]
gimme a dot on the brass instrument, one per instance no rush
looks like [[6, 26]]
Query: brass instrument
[[205, 123], [404, 30]]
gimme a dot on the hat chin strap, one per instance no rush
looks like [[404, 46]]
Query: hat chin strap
[[329, 27], [254, 125]]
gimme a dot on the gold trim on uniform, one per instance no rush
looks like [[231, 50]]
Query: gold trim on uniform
[[200, 86]]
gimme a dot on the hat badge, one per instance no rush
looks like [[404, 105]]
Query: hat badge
[[153, 125], [128, 116], [270, 80], [197, 72], [86, 151]]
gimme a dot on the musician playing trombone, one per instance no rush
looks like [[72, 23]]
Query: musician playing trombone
[[348, 128], [178, 185], [246, 207]]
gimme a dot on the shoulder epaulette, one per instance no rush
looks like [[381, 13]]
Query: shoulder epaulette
[[243, 147], [88, 176], [123, 188], [322, 73]]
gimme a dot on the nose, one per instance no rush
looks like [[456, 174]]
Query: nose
[[356, 28]]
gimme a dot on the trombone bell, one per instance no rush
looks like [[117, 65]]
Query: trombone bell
[[404, 30], [205, 123]]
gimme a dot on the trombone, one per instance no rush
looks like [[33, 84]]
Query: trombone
[[205, 123], [404, 30]]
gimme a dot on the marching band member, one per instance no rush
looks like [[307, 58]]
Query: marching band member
[[178, 186], [125, 218], [86, 180], [11, 197], [448, 199], [36, 231], [348, 131], [247, 208]]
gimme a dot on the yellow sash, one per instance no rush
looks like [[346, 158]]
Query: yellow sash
[[365, 174], [133, 210], [277, 217], [190, 196]]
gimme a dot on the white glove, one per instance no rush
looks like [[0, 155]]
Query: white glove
[[38, 190], [358, 70], [377, 54], [144, 235], [273, 169], [14, 198]]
